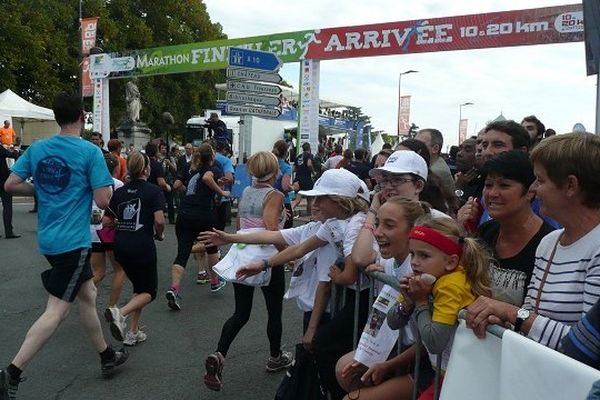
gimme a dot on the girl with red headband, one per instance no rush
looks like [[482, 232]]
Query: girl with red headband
[[460, 267]]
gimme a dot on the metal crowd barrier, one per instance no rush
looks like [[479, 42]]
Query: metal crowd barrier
[[338, 294]]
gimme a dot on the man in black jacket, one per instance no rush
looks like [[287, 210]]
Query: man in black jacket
[[6, 197]]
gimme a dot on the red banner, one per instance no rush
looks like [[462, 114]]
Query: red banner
[[86, 81], [404, 115], [462, 130], [498, 29], [88, 34], [88, 40]]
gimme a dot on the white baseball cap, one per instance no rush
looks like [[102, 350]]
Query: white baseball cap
[[364, 192], [403, 162], [335, 182]]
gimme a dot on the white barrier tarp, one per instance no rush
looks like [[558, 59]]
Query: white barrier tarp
[[474, 367], [534, 372], [513, 367]]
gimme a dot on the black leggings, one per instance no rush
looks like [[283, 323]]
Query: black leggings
[[334, 338], [187, 230], [273, 294]]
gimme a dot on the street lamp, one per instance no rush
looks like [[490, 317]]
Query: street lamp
[[410, 71], [468, 103]]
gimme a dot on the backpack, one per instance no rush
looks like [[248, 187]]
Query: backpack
[[301, 381]]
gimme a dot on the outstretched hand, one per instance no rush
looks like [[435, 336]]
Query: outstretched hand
[[249, 270], [214, 238]]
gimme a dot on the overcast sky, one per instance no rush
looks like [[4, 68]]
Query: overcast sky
[[546, 80]]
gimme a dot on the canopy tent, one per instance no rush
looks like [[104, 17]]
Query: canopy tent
[[29, 120]]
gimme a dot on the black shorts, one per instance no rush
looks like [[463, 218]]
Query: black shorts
[[221, 213], [99, 247], [141, 271], [69, 271], [305, 184]]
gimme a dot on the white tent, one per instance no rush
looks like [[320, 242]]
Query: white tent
[[28, 120]]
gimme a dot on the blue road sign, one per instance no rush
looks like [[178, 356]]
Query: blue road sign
[[245, 58]]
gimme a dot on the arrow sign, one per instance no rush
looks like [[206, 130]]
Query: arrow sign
[[242, 86], [245, 58], [253, 75], [259, 111], [253, 99]]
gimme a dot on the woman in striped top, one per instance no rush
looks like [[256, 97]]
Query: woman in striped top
[[566, 276]]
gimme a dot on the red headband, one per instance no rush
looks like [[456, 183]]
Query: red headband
[[436, 239]]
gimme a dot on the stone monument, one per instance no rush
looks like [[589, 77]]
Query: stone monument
[[132, 130]]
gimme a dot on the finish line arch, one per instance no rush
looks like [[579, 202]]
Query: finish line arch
[[558, 24]]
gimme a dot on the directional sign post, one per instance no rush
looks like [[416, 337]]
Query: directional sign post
[[250, 110], [249, 98], [253, 75], [250, 76], [242, 86], [244, 58]]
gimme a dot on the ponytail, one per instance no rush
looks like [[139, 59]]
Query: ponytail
[[476, 260]]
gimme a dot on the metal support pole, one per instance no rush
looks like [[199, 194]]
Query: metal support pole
[[356, 309], [598, 103]]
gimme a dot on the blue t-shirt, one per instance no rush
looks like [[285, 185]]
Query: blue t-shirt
[[226, 166], [285, 169], [65, 170]]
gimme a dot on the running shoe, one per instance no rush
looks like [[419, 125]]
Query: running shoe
[[215, 287], [203, 277], [117, 322], [8, 386], [214, 369], [284, 360], [131, 339], [173, 299], [118, 358]]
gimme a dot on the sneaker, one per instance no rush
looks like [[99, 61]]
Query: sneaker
[[215, 287], [119, 358], [131, 339], [8, 386], [173, 299], [117, 322], [214, 368], [203, 277], [284, 360]]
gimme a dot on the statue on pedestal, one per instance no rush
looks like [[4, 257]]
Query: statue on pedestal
[[134, 105], [132, 130]]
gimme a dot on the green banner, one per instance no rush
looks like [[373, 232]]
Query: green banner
[[203, 56]]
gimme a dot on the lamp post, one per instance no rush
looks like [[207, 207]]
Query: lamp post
[[410, 71], [468, 103]]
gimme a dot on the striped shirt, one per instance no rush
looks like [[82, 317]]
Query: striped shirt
[[572, 286]]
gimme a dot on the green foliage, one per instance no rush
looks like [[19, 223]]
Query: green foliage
[[39, 52]]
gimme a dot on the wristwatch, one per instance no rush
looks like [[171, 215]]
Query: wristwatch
[[522, 315]]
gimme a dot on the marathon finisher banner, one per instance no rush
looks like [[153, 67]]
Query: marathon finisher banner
[[498, 29], [509, 28]]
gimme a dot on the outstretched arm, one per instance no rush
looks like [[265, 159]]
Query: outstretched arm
[[291, 253], [219, 238]]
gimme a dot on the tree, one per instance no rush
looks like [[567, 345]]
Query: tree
[[39, 51]]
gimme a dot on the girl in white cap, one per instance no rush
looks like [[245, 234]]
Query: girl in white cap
[[333, 338]]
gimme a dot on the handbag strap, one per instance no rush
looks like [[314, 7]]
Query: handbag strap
[[543, 281]]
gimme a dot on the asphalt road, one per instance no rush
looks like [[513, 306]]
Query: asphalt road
[[169, 365]]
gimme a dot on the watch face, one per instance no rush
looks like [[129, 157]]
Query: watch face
[[522, 314]]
